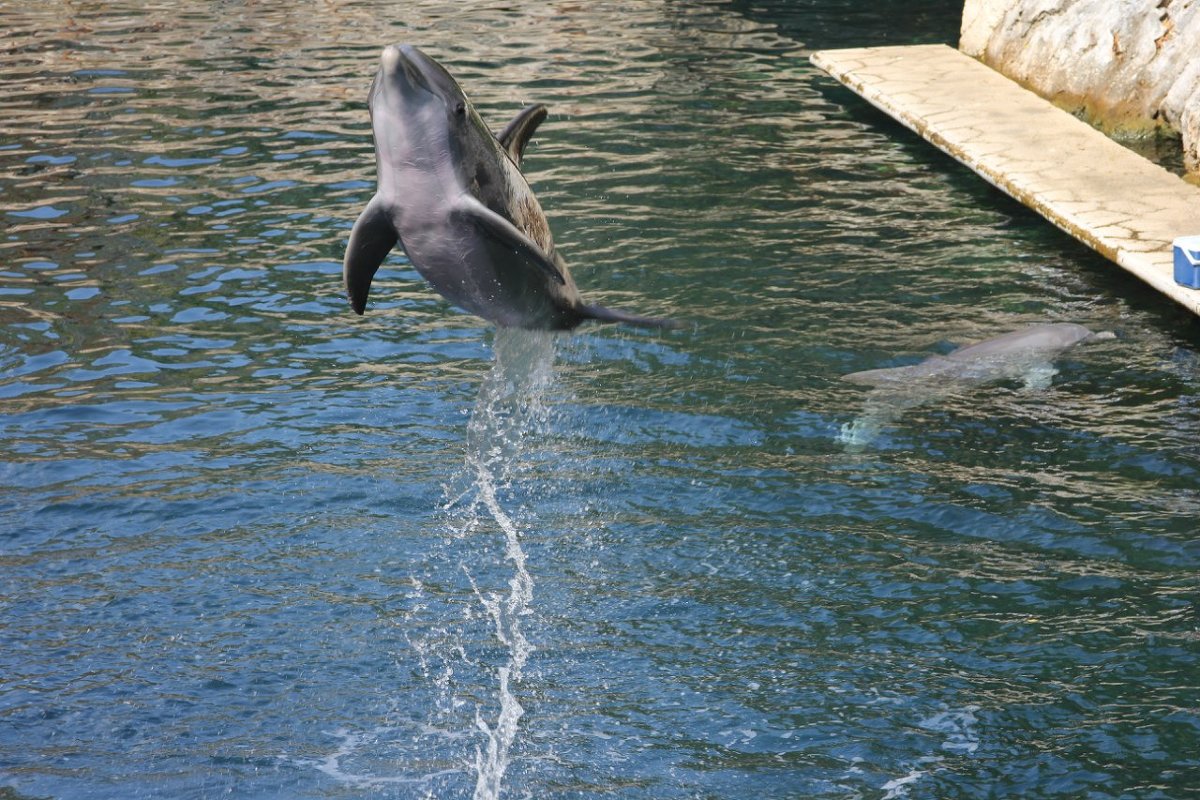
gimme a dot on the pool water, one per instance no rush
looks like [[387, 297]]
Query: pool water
[[254, 546]]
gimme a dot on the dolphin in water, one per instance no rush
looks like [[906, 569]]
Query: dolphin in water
[[452, 195], [1026, 355]]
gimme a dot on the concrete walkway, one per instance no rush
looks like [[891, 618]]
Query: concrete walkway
[[1111, 199]]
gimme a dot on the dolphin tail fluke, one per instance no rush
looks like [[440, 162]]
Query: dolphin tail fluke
[[602, 314], [371, 240], [874, 377]]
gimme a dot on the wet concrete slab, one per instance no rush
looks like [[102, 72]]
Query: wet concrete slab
[[1106, 196]]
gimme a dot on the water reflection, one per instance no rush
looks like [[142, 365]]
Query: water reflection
[[227, 562]]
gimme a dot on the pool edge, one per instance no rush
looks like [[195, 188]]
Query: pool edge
[[1121, 205]]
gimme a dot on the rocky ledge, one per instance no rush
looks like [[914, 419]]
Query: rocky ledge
[[1129, 66]]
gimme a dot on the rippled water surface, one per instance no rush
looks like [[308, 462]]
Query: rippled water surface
[[254, 546]]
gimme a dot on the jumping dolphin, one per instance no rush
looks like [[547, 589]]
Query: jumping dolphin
[[1024, 355], [452, 196]]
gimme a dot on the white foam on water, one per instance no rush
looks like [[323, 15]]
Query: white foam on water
[[1039, 376], [864, 429], [898, 787], [959, 727], [860, 432], [352, 743]]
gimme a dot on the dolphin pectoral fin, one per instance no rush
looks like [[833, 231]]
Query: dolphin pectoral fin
[[371, 240], [519, 131], [508, 235]]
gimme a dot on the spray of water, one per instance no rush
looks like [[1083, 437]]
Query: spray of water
[[470, 647], [880, 410], [509, 408], [505, 612]]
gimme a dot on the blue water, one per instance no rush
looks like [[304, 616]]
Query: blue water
[[254, 546]]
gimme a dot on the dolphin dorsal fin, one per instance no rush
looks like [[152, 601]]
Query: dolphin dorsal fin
[[519, 131]]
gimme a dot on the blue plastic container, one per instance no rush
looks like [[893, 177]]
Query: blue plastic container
[[1187, 261]]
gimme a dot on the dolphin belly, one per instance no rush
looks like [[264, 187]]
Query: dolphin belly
[[487, 279]]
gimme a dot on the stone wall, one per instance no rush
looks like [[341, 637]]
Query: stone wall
[[1126, 65]]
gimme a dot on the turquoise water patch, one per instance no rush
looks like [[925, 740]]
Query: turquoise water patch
[[40, 212]]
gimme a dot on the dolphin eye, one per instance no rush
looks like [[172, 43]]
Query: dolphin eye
[[460, 108]]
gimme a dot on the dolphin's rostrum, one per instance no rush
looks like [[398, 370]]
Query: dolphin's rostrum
[[452, 195]]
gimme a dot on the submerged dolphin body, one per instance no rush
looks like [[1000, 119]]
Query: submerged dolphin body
[[1026, 355], [453, 197], [1012, 355]]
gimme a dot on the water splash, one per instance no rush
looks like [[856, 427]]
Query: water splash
[[351, 743], [881, 409], [506, 613], [469, 594], [511, 405]]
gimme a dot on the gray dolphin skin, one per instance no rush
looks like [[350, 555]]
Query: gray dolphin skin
[[1012, 355], [452, 195], [1026, 355]]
